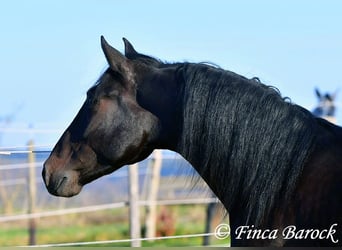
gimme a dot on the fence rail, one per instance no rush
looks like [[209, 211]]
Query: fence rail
[[88, 209], [22, 167], [70, 244]]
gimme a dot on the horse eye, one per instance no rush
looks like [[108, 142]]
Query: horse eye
[[112, 94]]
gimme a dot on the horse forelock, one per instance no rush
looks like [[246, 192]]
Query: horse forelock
[[248, 143]]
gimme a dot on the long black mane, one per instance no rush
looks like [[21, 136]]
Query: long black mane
[[245, 137]]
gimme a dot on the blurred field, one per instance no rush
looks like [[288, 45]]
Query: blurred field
[[178, 182], [112, 225]]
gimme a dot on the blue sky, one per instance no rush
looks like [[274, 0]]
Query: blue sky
[[50, 50]]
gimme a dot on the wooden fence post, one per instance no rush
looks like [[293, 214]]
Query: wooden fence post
[[32, 193], [208, 221], [134, 215], [151, 208]]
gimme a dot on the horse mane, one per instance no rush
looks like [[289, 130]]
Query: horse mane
[[149, 60], [245, 138]]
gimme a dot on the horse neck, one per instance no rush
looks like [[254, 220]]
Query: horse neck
[[158, 92]]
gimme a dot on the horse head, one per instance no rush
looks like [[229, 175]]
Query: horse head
[[110, 130], [326, 104]]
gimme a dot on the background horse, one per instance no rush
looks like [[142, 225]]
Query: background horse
[[326, 107], [270, 162]]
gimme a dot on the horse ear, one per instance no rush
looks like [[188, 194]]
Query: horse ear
[[129, 49], [115, 59], [329, 97], [318, 94]]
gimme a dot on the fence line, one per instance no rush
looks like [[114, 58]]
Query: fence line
[[25, 146], [62, 212], [8, 152], [102, 207], [24, 152], [16, 181], [34, 215], [20, 166], [30, 130], [124, 240]]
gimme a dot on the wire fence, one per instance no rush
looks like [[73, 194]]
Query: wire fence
[[87, 243], [174, 190], [87, 209]]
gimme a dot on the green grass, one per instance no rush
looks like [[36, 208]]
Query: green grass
[[106, 225]]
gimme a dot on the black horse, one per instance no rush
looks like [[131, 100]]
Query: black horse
[[326, 105], [276, 168]]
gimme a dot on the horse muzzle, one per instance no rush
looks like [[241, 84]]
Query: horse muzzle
[[61, 183]]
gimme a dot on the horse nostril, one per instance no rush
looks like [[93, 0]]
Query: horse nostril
[[64, 179]]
